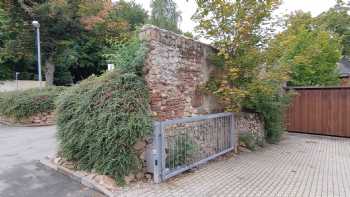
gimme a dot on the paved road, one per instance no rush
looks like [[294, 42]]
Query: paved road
[[20, 174], [301, 165]]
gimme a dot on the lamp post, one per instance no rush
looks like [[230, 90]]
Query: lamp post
[[36, 25]]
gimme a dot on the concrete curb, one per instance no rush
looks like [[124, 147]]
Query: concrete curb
[[75, 176]]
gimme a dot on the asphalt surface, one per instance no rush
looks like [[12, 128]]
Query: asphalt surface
[[20, 173]]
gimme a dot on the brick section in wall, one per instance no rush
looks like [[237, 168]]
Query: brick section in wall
[[175, 69]]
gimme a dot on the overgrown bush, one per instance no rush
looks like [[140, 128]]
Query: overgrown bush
[[100, 120], [267, 99], [23, 104], [248, 140]]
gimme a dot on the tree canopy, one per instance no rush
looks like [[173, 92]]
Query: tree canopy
[[165, 15], [337, 20], [311, 51], [74, 35], [5, 71], [237, 30]]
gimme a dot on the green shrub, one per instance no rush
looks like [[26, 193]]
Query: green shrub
[[23, 104], [248, 140], [180, 151], [271, 104], [127, 57], [100, 120]]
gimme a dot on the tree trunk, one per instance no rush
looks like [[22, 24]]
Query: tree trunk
[[49, 71]]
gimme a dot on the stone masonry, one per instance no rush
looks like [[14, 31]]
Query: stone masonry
[[40, 119], [250, 124], [176, 67]]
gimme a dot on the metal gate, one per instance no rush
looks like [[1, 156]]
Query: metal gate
[[181, 144]]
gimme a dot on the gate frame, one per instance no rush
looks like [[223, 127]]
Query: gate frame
[[159, 154]]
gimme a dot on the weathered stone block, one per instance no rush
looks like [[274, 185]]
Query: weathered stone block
[[174, 67]]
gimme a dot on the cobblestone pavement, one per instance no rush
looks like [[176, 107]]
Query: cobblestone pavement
[[301, 165]]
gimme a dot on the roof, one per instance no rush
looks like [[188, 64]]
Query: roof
[[344, 67]]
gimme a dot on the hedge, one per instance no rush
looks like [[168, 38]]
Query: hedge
[[23, 104], [101, 119]]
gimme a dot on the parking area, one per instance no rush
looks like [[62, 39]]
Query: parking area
[[301, 165], [20, 174]]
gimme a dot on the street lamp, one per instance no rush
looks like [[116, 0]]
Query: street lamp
[[36, 25]]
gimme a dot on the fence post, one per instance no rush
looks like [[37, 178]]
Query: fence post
[[232, 131], [157, 154]]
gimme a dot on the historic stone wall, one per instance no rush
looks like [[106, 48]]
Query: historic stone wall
[[176, 67], [252, 125]]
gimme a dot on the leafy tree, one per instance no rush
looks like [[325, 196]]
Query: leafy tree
[[337, 20], [3, 26], [247, 80], [235, 28], [309, 50], [165, 15], [5, 71], [73, 34], [17, 46]]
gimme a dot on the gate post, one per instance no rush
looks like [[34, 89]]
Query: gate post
[[157, 153], [232, 132]]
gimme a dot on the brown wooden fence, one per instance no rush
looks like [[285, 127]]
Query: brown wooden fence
[[323, 111]]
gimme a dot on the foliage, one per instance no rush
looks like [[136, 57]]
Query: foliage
[[165, 15], [265, 99], [101, 119], [127, 56], [247, 81], [234, 27], [337, 20], [181, 151], [3, 26], [5, 70], [23, 104], [310, 51], [248, 140], [130, 12], [73, 35], [189, 34], [15, 53]]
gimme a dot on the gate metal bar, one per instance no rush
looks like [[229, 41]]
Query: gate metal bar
[[179, 145]]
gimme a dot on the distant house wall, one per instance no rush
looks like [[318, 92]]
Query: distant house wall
[[6, 86], [345, 81]]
